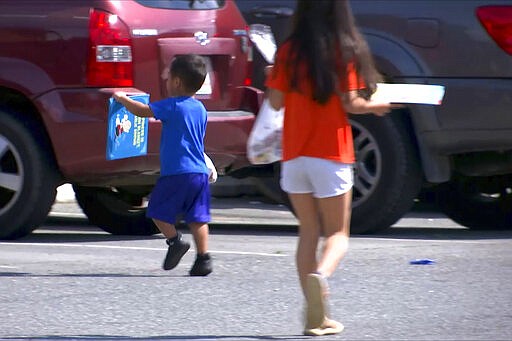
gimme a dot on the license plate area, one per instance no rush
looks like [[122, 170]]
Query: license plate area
[[207, 87], [219, 54]]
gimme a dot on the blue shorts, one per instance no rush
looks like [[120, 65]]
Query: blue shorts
[[181, 197]]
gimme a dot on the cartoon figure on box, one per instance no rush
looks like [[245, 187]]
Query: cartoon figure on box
[[123, 125]]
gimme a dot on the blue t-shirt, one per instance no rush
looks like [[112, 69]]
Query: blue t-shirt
[[183, 130]]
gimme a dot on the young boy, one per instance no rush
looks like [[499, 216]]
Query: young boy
[[182, 191]]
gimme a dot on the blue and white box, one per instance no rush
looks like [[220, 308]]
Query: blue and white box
[[127, 134]]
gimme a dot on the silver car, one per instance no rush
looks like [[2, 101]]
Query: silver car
[[460, 153]]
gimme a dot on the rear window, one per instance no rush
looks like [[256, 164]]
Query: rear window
[[183, 4]]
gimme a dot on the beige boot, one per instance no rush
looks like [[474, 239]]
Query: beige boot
[[317, 321], [316, 297], [328, 327]]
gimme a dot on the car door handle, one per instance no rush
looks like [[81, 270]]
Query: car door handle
[[272, 12]]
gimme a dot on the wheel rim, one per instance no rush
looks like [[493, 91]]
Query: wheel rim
[[368, 167], [11, 175]]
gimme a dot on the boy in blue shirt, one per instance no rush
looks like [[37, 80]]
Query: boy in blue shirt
[[182, 191]]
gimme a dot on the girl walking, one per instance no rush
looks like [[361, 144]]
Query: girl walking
[[322, 72]]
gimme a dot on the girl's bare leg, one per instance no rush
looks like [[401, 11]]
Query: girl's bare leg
[[335, 215], [309, 232]]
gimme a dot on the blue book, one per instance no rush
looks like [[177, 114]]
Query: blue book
[[127, 134]]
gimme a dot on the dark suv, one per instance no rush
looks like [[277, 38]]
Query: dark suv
[[460, 153], [60, 61]]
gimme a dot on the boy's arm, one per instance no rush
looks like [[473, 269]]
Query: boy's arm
[[136, 108]]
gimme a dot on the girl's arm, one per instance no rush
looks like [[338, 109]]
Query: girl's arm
[[275, 98], [136, 108], [355, 104]]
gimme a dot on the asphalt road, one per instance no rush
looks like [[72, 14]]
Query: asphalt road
[[71, 281]]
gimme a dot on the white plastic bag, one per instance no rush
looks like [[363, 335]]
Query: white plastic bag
[[262, 37], [264, 143], [212, 171]]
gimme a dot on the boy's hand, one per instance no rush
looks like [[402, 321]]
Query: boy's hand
[[135, 107], [212, 176], [118, 94]]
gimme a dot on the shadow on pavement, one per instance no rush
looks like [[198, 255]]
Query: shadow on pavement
[[57, 228], [169, 337], [438, 233], [86, 233]]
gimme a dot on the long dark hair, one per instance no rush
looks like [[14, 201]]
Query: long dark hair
[[325, 40]]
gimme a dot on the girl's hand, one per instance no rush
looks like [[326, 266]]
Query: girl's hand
[[268, 69], [355, 104], [381, 109]]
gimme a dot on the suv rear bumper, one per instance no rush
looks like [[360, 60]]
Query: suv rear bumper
[[76, 121], [475, 116], [471, 132]]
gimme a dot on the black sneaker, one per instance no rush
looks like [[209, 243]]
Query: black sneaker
[[202, 266], [176, 251]]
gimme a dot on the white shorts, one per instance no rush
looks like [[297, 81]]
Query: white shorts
[[323, 178]]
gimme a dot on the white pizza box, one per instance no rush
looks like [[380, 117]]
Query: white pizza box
[[409, 93]]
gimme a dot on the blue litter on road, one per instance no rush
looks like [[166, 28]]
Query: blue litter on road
[[424, 261]]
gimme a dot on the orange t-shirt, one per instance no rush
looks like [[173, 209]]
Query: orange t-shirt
[[310, 128]]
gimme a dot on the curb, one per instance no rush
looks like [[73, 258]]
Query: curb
[[225, 187]]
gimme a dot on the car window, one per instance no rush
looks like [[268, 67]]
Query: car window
[[183, 4]]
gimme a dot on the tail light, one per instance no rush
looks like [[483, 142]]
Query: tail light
[[110, 51], [249, 68], [497, 20]]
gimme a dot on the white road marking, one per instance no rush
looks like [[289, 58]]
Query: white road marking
[[433, 240], [140, 248]]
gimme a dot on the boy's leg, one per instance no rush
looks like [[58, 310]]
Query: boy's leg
[[197, 215], [168, 230], [203, 263], [177, 246], [200, 232]]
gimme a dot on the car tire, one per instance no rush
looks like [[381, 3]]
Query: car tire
[[28, 181], [478, 203], [270, 187], [114, 211], [387, 175]]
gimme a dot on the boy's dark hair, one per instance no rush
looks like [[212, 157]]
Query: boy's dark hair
[[191, 69]]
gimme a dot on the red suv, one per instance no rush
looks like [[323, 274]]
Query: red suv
[[60, 61]]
